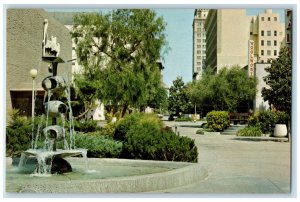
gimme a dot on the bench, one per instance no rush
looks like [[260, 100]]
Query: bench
[[238, 118]]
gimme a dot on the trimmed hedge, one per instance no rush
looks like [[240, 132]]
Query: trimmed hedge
[[218, 120]]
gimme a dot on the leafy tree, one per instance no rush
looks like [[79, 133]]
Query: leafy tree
[[159, 100], [231, 89], [178, 99], [279, 80], [118, 52]]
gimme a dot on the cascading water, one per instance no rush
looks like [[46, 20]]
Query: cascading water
[[53, 143]]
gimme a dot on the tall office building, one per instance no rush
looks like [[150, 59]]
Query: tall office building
[[228, 32], [199, 42], [227, 35]]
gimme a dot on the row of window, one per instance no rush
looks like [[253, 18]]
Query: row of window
[[269, 18], [262, 52], [199, 40], [199, 51], [199, 58], [202, 34], [262, 43], [199, 46], [262, 33]]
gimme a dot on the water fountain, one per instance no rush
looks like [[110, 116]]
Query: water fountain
[[53, 147], [50, 158]]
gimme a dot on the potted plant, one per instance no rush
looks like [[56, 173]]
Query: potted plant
[[280, 126]]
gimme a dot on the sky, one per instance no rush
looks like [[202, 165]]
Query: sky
[[178, 61]]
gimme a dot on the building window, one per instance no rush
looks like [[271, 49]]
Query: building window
[[275, 33], [198, 40], [262, 33], [198, 63], [262, 61], [269, 33], [251, 33], [275, 43], [198, 46], [268, 52], [269, 18], [275, 18], [268, 43], [262, 18], [198, 35], [262, 52], [198, 52], [262, 43], [198, 57], [275, 52]]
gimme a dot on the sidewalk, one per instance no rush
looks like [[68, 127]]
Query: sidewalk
[[237, 166]]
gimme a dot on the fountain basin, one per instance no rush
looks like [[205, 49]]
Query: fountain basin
[[109, 176]]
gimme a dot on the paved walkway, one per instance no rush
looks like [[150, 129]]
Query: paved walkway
[[237, 166]]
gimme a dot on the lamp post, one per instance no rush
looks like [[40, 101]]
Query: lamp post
[[33, 73]]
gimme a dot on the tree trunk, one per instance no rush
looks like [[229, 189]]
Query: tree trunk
[[84, 113], [125, 106]]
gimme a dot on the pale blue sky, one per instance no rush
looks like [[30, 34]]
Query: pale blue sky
[[178, 61]]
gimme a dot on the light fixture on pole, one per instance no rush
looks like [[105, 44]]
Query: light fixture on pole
[[33, 74]]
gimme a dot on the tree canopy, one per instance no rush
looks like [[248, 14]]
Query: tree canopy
[[118, 52], [230, 89], [279, 80], [178, 98]]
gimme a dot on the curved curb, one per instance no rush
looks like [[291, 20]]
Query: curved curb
[[184, 174]]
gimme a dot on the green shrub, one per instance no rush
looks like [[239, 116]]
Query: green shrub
[[265, 120], [182, 119], [123, 125], [86, 126], [18, 134], [145, 141], [99, 146], [250, 131], [218, 120]]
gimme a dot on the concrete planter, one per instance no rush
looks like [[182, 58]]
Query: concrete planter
[[280, 130]]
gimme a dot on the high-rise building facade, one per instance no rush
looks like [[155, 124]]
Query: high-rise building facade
[[199, 42], [270, 36], [228, 32], [227, 35]]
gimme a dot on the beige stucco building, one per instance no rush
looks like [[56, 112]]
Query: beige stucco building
[[199, 42], [229, 31], [270, 35], [227, 35], [24, 36]]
